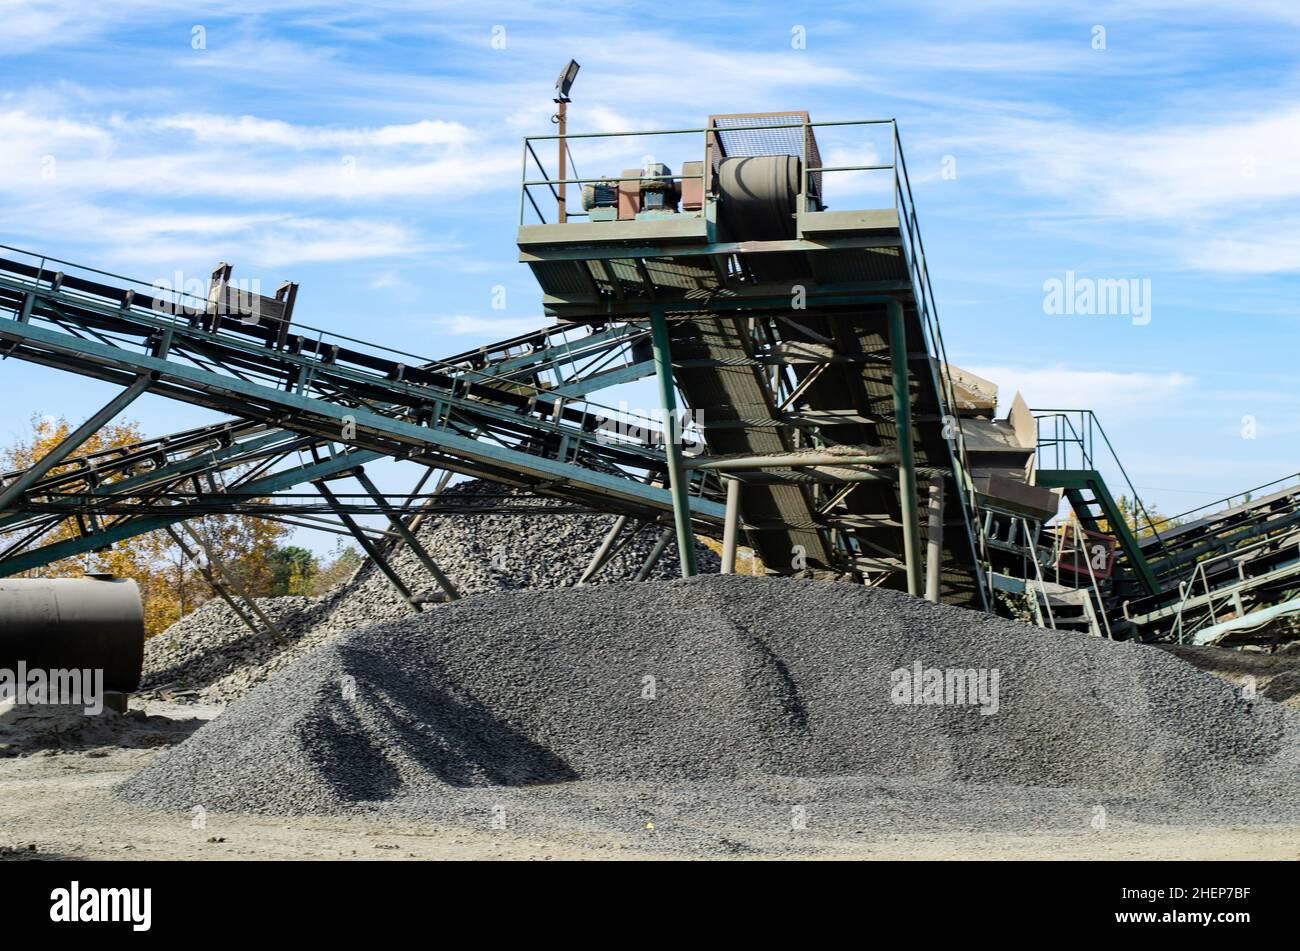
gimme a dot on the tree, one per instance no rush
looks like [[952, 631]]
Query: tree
[[341, 567], [294, 570], [171, 583]]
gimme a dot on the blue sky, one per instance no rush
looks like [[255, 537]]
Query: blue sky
[[371, 152]]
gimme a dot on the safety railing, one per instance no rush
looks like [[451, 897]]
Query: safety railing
[[531, 160], [815, 186], [923, 291], [1067, 439], [1216, 595], [1238, 499]]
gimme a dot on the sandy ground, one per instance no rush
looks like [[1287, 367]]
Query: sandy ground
[[56, 805]]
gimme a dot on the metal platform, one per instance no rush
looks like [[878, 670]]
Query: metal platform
[[825, 339]]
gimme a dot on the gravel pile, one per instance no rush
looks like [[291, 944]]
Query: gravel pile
[[210, 654], [706, 714], [1272, 675]]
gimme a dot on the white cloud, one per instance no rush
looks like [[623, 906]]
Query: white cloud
[[245, 158], [1178, 173], [162, 241], [1271, 248], [1104, 391], [251, 130]]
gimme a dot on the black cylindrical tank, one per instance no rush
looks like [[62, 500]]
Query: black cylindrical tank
[[96, 622]]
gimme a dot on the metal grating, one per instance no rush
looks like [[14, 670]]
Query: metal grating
[[737, 136]]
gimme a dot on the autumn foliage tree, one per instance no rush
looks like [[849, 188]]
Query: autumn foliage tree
[[171, 582]]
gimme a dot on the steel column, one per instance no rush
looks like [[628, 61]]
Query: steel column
[[231, 578], [906, 464], [934, 541], [602, 553], [407, 536], [672, 447], [731, 527], [656, 553], [370, 547], [74, 440]]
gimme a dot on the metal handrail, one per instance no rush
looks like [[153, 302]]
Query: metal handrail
[[905, 208], [708, 132], [913, 251], [1199, 571], [1245, 497], [1085, 438]]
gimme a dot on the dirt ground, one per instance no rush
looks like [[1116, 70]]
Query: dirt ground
[[55, 804]]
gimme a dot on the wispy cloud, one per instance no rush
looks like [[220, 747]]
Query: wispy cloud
[[1105, 391]]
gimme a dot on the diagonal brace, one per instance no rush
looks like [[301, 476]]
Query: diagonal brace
[[407, 536], [74, 440]]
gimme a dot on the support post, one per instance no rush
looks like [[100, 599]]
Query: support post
[[934, 541], [232, 580], [215, 583], [562, 120], [73, 441], [369, 547], [906, 464], [672, 444], [407, 536], [602, 553], [731, 527], [656, 553]]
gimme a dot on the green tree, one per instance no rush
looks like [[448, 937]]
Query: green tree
[[294, 570], [1136, 518], [344, 563]]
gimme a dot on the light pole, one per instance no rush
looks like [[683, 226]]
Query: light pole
[[562, 87]]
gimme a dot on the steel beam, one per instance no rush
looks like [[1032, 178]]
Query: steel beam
[[794, 460], [672, 446], [601, 556], [656, 553], [375, 431], [370, 548], [407, 536], [906, 464], [129, 528], [230, 578]]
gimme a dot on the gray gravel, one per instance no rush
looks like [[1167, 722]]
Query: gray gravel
[[212, 656], [771, 723]]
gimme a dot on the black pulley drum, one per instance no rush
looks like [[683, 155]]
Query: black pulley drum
[[758, 197], [74, 623]]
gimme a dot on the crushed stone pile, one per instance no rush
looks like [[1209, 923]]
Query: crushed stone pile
[[1273, 675], [717, 705], [211, 655]]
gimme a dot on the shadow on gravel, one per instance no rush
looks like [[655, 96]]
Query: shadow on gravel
[[407, 724]]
